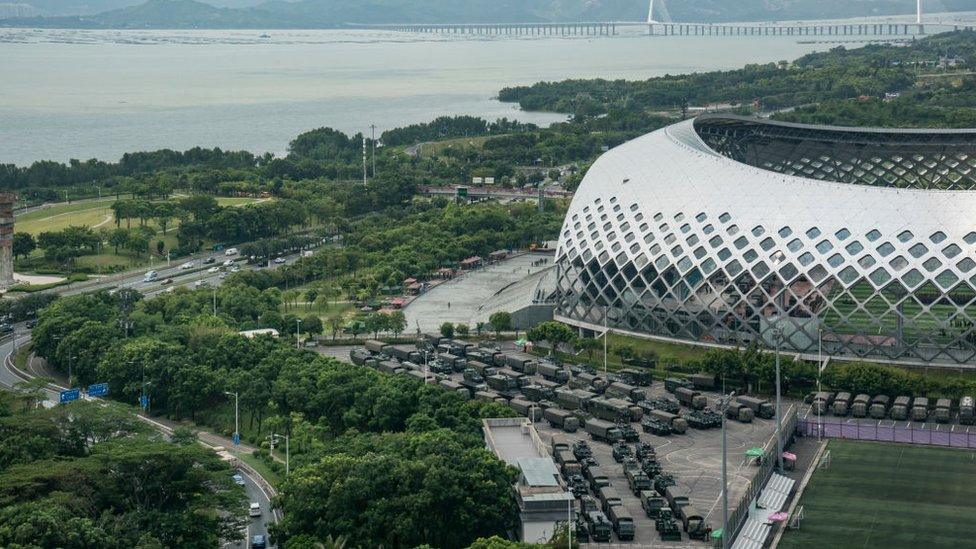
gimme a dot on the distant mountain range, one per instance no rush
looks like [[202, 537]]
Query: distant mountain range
[[163, 14]]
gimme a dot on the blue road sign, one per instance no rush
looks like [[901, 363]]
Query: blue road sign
[[98, 389], [69, 395], [237, 439], [144, 401]]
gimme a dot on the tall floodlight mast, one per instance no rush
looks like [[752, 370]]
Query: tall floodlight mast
[[918, 12], [650, 11]]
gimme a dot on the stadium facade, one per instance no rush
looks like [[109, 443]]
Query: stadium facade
[[728, 230]]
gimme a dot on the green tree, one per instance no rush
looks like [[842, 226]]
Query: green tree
[[554, 333], [312, 324], [23, 244], [588, 345], [500, 321], [461, 329], [447, 330], [397, 323]]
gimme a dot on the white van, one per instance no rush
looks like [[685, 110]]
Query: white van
[[255, 510], [150, 276], [230, 251]]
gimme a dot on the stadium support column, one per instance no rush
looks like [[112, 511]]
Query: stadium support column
[[7, 239]]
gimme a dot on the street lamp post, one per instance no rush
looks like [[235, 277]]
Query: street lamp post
[[819, 371], [237, 416], [298, 333], [606, 334], [274, 438], [778, 336], [70, 360], [723, 409]]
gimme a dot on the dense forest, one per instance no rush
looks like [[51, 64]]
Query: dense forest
[[93, 475]]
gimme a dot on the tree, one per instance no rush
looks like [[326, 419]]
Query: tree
[[311, 295], [335, 324], [397, 323], [555, 333], [588, 345], [461, 329], [625, 352], [376, 323], [312, 324], [23, 244], [118, 237], [447, 330], [479, 327], [164, 212], [500, 321]]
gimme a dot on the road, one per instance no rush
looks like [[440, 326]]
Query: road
[[10, 377]]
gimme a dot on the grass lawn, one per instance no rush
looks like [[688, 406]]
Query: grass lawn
[[324, 311], [889, 495], [96, 213]]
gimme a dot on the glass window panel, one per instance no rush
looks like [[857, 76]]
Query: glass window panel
[[750, 255], [795, 245], [824, 246], [805, 259], [724, 254], [966, 265], [854, 248], [813, 232], [874, 235], [912, 278], [725, 217], [835, 260], [905, 236], [898, 263], [918, 250], [866, 261], [937, 237], [842, 234], [785, 232], [932, 264], [741, 242], [767, 244], [885, 249], [701, 217], [758, 230], [880, 276], [951, 251]]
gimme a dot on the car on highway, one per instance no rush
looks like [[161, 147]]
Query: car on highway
[[31, 323], [255, 509], [223, 276], [258, 542], [209, 260], [280, 260], [228, 263], [6, 328], [230, 251], [238, 479], [187, 265], [235, 269], [166, 282], [213, 270], [200, 283], [150, 276]]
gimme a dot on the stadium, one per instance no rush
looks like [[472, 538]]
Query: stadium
[[728, 230]]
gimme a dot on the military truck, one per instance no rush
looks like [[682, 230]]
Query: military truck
[[561, 419], [671, 384], [359, 356], [859, 408], [473, 380], [879, 406], [489, 396], [455, 387], [623, 522], [677, 498], [526, 408], [608, 498], [702, 419], [625, 391], [597, 478], [620, 451], [568, 464], [943, 410], [520, 362], [502, 384], [599, 527], [651, 503], [899, 410], [590, 382], [693, 522], [666, 403], [667, 528], [390, 367], [640, 378], [552, 371], [520, 378], [705, 382], [739, 412], [376, 347], [677, 424], [614, 409], [967, 410], [920, 409], [602, 431], [842, 404], [760, 406], [821, 402], [483, 369], [638, 482], [558, 443], [691, 398], [573, 399], [536, 393]]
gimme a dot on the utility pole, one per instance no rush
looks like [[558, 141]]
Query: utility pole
[[274, 438], [237, 417], [215, 301], [70, 359], [778, 336], [606, 334], [724, 403], [918, 13], [372, 128], [298, 333], [364, 161]]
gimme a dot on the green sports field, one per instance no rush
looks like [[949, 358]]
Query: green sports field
[[889, 495]]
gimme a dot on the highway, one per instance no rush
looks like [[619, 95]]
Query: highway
[[10, 376]]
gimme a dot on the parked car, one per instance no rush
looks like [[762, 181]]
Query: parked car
[[279, 260], [238, 479]]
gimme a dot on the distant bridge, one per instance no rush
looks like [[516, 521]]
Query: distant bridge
[[670, 28]]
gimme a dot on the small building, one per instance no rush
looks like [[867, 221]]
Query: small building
[[498, 255], [397, 303], [472, 262], [414, 288], [543, 499], [444, 272]]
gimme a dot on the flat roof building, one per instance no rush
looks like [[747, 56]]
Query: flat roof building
[[543, 498]]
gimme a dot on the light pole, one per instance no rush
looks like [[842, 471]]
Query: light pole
[[298, 333], [819, 371], [606, 334], [373, 145], [274, 438], [237, 417], [70, 359], [215, 301], [723, 409], [778, 336]]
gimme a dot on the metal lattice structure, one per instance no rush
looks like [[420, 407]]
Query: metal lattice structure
[[720, 230]]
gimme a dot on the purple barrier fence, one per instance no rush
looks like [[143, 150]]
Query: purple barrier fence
[[907, 433]]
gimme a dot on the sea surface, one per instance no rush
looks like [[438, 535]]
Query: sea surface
[[96, 93]]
